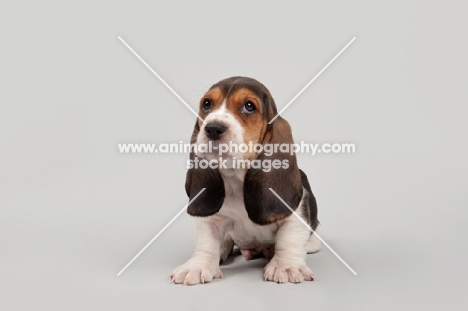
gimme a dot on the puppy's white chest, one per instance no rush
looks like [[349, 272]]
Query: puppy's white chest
[[242, 230]]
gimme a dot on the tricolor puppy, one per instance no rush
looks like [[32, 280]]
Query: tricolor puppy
[[237, 207]]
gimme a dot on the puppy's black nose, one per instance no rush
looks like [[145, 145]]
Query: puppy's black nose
[[214, 130]]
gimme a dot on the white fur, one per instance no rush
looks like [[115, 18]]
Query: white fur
[[245, 233], [314, 244]]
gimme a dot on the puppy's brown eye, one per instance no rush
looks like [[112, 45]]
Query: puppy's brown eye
[[249, 107], [207, 104]]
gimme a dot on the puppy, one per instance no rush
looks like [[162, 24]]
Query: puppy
[[237, 206]]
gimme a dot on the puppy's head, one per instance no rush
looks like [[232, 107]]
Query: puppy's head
[[237, 111]]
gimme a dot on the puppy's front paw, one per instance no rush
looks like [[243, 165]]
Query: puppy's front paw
[[196, 271], [281, 271]]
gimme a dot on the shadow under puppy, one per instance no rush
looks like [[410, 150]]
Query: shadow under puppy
[[237, 206]]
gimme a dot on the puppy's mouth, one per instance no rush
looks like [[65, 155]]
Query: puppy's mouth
[[214, 150]]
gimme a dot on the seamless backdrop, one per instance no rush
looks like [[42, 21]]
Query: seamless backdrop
[[74, 211]]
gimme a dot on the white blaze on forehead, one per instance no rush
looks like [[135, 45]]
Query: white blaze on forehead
[[225, 117], [234, 132], [217, 114]]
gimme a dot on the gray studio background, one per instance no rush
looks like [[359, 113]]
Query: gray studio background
[[74, 211]]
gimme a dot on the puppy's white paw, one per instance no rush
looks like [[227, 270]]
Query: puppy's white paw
[[281, 271], [196, 271]]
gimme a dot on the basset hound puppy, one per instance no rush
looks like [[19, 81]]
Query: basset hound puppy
[[237, 206]]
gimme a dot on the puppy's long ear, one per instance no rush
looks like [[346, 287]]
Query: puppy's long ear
[[209, 201], [262, 206]]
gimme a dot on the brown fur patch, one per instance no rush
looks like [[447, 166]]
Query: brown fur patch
[[216, 96], [254, 124]]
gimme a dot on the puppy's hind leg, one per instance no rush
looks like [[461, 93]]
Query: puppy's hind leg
[[226, 248], [313, 244]]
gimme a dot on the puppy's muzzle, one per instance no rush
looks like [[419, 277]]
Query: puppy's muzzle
[[215, 130]]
